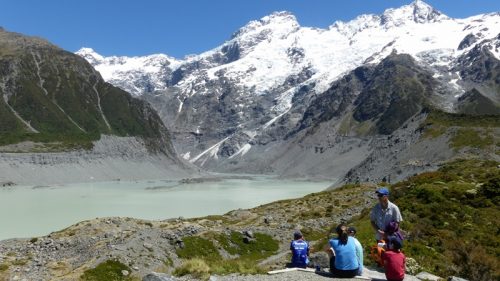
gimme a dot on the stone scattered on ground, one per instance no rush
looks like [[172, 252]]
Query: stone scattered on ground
[[154, 276], [454, 278], [428, 276]]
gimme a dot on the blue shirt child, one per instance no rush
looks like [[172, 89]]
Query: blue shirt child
[[300, 251]]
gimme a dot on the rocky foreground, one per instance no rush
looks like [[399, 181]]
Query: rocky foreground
[[147, 246]]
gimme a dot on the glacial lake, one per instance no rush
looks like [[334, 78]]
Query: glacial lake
[[27, 211]]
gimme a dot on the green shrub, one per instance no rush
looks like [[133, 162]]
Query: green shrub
[[474, 262], [197, 247], [491, 190], [203, 258], [262, 247], [107, 271]]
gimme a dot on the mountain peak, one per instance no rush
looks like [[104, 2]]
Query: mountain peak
[[90, 55], [279, 17], [282, 21], [418, 11], [86, 51], [423, 12]]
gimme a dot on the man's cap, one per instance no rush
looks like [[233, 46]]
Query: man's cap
[[382, 191], [351, 229], [297, 234]]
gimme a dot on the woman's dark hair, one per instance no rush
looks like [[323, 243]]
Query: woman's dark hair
[[342, 233]]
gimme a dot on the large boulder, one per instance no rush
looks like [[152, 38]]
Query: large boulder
[[320, 259]]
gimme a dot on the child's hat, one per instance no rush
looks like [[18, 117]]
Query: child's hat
[[395, 243], [352, 230]]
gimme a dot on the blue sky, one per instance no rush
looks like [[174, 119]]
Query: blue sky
[[182, 27]]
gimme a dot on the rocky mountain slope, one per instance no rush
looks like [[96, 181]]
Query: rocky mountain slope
[[278, 97], [53, 101]]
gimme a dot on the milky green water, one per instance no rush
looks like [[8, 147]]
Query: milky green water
[[35, 211]]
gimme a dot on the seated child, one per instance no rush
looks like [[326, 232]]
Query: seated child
[[300, 250], [394, 260], [359, 249]]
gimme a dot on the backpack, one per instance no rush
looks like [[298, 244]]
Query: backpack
[[376, 252]]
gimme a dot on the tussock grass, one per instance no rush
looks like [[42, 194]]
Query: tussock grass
[[202, 269], [195, 267], [223, 267], [3, 267]]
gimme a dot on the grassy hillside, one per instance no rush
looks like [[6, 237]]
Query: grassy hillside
[[467, 131], [53, 96], [451, 219]]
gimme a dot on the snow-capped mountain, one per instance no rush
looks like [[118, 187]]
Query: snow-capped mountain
[[136, 75], [256, 86], [263, 54]]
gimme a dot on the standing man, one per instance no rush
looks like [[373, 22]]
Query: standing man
[[384, 213]]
